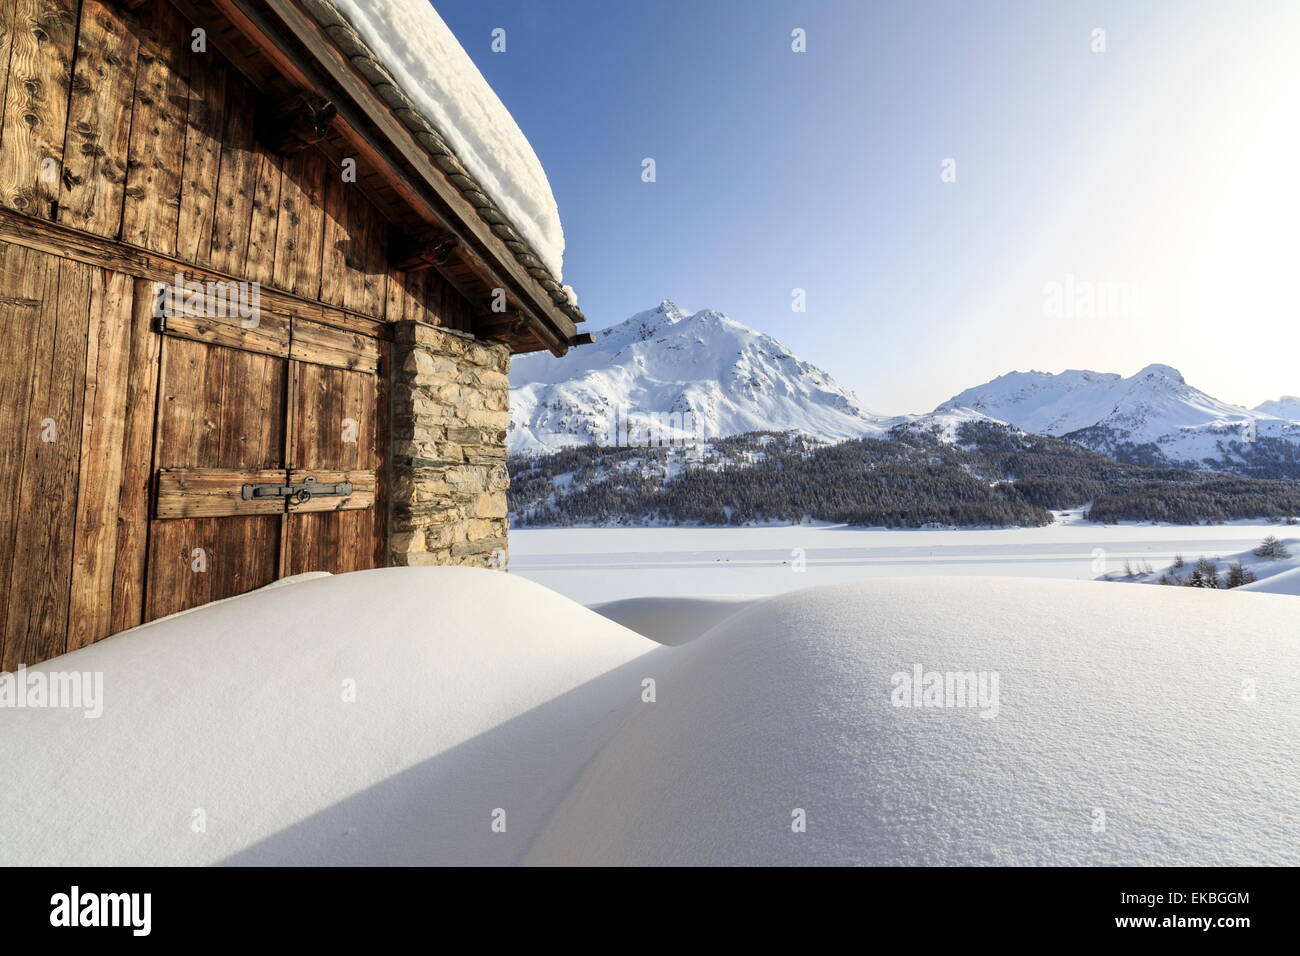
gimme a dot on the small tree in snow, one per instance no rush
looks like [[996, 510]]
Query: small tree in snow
[[1179, 562], [1272, 548], [1238, 575], [1204, 575]]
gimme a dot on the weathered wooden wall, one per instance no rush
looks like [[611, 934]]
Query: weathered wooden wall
[[113, 127]]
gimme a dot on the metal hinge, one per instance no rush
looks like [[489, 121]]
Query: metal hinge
[[297, 492]]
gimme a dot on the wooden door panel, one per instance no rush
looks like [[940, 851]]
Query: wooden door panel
[[335, 420], [220, 424], [335, 541], [196, 560], [338, 431], [220, 408]]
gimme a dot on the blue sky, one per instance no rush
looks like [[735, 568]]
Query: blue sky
[[1110, 209]]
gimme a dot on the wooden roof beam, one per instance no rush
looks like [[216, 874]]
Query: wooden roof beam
[[478, 248]]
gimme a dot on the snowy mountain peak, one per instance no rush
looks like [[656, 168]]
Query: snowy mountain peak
[[1161, 371], [717, 377], [1288, 407]]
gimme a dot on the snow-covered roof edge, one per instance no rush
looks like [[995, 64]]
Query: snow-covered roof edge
[[432, 140]]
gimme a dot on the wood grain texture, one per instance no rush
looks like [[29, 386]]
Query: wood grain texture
[[340, 428], [299, 240], [137, 465], [235, 183], [151, 207], [235, 554], [362, 496], [45, 518], [214, 492], [70, 244], [259, 264], [99, 120], [103, 433], [264, 332], [325, 345], [205, 113], [220, 408], [35, 117], [22, 285]]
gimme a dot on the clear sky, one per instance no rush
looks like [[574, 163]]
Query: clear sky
[[1109, 210]]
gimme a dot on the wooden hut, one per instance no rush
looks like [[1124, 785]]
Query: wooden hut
[[255, 315]]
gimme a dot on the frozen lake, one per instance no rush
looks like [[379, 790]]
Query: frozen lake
[[606, 564]]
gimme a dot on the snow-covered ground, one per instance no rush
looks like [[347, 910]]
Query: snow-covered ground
[[591, 565], [452, 715]]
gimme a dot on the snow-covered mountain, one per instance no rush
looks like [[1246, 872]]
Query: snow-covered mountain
[[1153, 416], [1288, 407], [702, 375]]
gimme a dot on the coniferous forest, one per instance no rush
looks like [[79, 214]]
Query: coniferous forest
[[991, 475]]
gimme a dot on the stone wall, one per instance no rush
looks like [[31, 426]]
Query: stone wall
[[450, 416]]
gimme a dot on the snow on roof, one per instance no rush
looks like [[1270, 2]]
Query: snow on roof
[[414, 45], [338, 721]]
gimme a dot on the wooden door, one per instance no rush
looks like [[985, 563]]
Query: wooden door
[[270, 456]]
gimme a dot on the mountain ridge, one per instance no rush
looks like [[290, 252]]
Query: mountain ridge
[[665, 376]]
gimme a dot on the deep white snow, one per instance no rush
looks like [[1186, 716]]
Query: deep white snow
[[433, 69], [717, 376], [592, 565], [1167, 714], [473, 690], [1123, 708]]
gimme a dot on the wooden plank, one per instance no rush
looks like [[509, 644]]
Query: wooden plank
[[363, 491], [35, 114], [259, 265], [22, 279], [6, 50], [196, 560], [338, 244], [99, 120], [204, 118], [299, 242], [70, 244], [263, 332], [214, 492], [40, 578], [323, 345], [367, 283], [151, 208], [103, 430], [137, 464], [235, 182]]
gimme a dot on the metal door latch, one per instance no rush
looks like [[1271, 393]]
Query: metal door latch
[[298, 492]]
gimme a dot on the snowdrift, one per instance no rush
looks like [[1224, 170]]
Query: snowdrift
[[1117, 726], [474, 690]]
